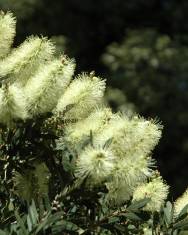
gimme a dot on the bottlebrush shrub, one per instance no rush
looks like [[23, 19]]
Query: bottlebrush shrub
[[68, 164]]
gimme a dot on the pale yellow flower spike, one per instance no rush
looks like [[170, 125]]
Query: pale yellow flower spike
[[12, 104], [131, 137], [180, 203], [94, 163], [45, 88], [83, 94], [156, 190], [24, 61], [7, 32], [78, 133], [127, 174]]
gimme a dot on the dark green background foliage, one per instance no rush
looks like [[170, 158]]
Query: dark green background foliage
[[148, 62]]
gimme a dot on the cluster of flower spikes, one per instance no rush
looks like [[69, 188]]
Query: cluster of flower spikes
[[111, 149]]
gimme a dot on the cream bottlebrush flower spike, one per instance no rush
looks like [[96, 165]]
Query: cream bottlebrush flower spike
[[131, 136], [180, 203], [7, 32], [76, 134], [132, 171], [44, 89], [83, 94], [23, 61], [126, 175], [156, 190], [12, 104], [95, 164]]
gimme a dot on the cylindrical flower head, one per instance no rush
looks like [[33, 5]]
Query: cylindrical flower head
[[78, 133], [131, 137], [126, 175], [83, 94], [156, 190], [12, 104], [180, 203], [23, 61], [7, 32], [132, 171], [44, 89], [95, 164]]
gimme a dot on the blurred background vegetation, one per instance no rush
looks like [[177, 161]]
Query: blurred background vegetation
[[140, 46]]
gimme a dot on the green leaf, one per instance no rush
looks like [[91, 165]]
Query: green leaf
[[113, 220], [3, 233], [181, 224], [55, 217], [91, 137], [21, 224], [131, 227], [138, 204], [32, 217], [132, 216], [42, 224], [183, 212], [33, 214], [120, 228], [29, 224], [74, 209], [108, 143], [64, 225], [175, 232], [168, 213]]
